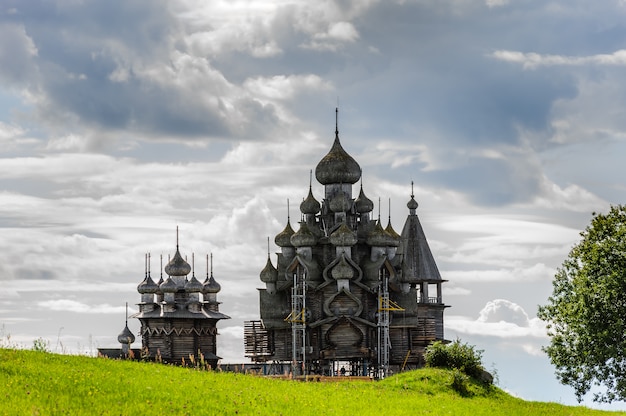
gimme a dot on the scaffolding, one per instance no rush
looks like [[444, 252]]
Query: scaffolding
[[297, 318], [385, 306], [258, 341]]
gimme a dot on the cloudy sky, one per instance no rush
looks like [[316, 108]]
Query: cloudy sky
[[121, 120]]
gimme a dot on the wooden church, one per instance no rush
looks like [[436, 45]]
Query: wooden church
[[347, 295], [179, 314]]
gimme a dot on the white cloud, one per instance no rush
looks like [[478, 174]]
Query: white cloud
[[499, 318], [339, 31], [14, 137], [9, 132], [532, 349], [533, 60], [29, 286], [509, 229], [502, 310], [223, 27], [69, 305], [537, 272], [456, 291], [496, 3], [571, 197], [281, 87]]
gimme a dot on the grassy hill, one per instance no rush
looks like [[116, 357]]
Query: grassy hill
[[39, 383]]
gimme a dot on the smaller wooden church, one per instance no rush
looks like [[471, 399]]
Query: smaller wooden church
[[179, 314]]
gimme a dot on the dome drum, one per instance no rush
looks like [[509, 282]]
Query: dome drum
[[340, 203], [147, 298], [330, 191]]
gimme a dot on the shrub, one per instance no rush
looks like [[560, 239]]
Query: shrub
[[41, 345], [460, 383], [456, 355]]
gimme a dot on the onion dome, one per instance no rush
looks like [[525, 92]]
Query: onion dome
[[343, 236], [340, 203], [380, 238], [269, 274], [168, 286], [363, 204], [126, 337], [283, 239], [412, 204], [177, 266], [211, 286], [159, 283], [392, 233], [310, 205], [303, 237], [337, 166], [342, 270], [147, 286], [193, 285]]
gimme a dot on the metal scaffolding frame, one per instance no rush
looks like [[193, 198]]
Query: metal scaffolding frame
[[385, 306], [297, 318]]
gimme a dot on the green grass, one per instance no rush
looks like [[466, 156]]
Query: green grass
[[41, 383]]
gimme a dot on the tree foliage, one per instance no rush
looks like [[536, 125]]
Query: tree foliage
[[456, 355], [586, 314]]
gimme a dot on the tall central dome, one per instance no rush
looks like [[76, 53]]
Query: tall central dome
[[337, 166]]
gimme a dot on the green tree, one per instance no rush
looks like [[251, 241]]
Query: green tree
[[586, 314]]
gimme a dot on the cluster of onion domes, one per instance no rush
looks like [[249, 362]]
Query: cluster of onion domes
[[178, 267]]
